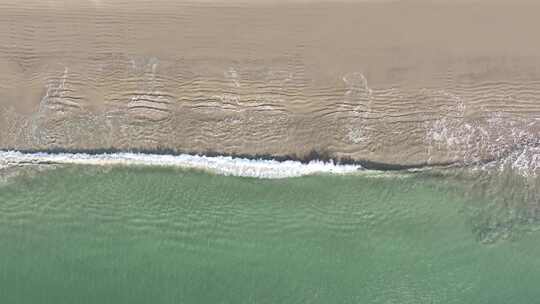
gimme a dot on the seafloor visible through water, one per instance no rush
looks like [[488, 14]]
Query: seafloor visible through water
[[83, 234]]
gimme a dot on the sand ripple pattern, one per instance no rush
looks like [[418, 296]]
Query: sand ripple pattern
[[273, 79]]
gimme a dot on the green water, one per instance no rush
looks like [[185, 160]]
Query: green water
[[134, 235]]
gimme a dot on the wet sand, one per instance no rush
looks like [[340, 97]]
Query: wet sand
[[401, 82]]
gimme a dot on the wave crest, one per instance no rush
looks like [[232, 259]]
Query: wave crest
[[224, 165]]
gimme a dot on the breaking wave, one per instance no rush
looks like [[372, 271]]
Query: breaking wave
[[224, 165]]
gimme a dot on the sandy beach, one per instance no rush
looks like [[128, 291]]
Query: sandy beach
[[398, 82], [269, 151]]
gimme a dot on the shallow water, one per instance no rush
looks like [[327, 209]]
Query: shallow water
[[81, 234]]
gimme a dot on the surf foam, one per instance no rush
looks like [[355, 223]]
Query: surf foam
[[224, 165]]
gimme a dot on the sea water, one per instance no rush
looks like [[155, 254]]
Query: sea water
[[127, 234]]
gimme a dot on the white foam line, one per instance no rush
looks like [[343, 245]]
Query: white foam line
[[224, 165]]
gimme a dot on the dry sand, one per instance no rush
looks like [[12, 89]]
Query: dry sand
[[403, 82]]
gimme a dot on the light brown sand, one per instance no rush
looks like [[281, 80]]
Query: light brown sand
[[403, 82]]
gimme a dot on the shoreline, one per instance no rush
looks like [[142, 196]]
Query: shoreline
[[222, 165], [312, 156], [525, 162]]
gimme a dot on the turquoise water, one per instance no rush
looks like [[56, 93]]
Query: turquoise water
[[158, 235]]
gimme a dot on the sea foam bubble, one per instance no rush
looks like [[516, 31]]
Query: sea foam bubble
[[224, 165]]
